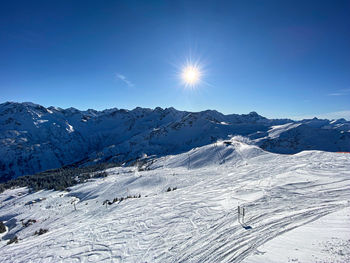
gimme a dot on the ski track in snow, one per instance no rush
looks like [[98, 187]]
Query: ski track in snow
[[195, 223]]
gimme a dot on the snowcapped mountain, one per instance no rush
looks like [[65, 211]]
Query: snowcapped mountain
[[34, 138], [185, 210]]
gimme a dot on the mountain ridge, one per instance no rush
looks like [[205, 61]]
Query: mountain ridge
[[34, 138]]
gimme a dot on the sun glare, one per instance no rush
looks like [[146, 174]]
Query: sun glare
[[191, 75]]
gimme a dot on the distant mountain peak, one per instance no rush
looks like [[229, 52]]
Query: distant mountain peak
[[34, 138]]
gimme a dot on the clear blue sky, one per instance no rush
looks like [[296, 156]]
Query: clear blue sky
[[279, 58]]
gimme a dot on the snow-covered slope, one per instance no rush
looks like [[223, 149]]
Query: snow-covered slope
[[322, 246], [34, 138], [305, 135], [197, 222], [221, 152]]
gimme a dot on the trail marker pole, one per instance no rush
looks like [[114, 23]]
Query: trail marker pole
[[74, 201], [241, 213], [189, 162]]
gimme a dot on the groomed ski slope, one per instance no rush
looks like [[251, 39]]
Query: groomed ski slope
[[197, 222]]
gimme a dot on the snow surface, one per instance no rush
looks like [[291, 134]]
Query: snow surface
[[197, 222], [310, 243], [34, 138]]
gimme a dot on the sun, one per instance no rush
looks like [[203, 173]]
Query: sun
[[191, 75]]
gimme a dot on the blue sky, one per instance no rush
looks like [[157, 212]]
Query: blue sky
[[279, 58]]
